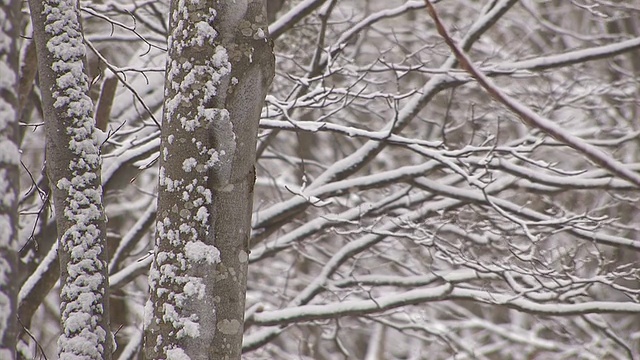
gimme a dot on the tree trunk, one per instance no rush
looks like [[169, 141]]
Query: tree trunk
[[9, 175], [219, 68], [73, 167]]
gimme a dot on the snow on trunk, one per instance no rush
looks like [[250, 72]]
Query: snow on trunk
[[73, 167], [9, 174], [219, 67]]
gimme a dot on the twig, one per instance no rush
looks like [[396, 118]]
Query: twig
[[123, 81], [531, 118]]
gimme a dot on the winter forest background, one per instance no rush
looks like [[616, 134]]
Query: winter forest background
[[401, 210]]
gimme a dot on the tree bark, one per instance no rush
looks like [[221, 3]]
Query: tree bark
[[73, 168], [219, 68], [9, 175]]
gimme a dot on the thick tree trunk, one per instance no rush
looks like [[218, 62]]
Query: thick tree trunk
[[73, 167], [219, 68], [9, 175]]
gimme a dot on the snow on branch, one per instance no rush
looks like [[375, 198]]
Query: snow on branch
[[362, 307], [569, 58], [353, 307], [531, 118], [547, 309], [312, 126], [294, 15]]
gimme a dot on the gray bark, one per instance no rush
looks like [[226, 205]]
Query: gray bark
[[73, 168], [219, 68]]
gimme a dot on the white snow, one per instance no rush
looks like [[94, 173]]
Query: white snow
[[221, 60], [177, 354], [202, 215], [204, 32], [195, 289], [186, 325], [197, 251], [188, 164]]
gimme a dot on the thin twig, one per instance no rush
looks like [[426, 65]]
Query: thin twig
[[123, 81], [531, 118]]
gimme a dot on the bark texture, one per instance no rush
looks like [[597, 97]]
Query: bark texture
[[73, 168], [9, 175], [219, 68]]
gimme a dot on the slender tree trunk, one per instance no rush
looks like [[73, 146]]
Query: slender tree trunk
[[9, 175], [219, 68], [73, 167]]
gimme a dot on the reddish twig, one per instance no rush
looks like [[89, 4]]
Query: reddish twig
[[531, 118]]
